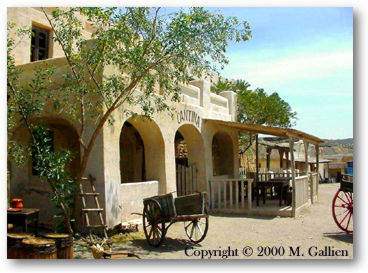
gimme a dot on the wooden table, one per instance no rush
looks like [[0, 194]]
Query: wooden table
[[24, 217], [279, 183]]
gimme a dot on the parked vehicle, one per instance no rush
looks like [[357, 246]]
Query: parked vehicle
[[343, 203], [161, 211]]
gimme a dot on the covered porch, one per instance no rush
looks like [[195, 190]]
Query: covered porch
[[268, 193]]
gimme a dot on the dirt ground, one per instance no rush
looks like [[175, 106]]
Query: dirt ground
[[307, 236]]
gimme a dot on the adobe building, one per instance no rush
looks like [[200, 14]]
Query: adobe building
[[134, 158]]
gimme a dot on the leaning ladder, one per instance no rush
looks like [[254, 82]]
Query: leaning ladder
[[86, 210]]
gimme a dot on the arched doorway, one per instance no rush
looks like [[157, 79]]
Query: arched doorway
[[222, 155], [189, 160], [132, 163], [142, 152], [63, 136], [26, 182]]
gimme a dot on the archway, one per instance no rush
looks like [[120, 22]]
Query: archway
[[142, 152], [132, 163], [25, 182], [63, 136], [189, 159], [222, 155]]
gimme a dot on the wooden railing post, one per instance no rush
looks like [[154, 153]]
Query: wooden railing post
[[293, 203], [242, 193], [249, 183], [317, 167], [212, 192]]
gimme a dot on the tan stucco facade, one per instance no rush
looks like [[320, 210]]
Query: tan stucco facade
[[158, 162]]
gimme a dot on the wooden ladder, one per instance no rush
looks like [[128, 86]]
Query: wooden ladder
[[86, 210]]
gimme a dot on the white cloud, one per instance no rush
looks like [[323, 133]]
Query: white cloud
[[289, 69]]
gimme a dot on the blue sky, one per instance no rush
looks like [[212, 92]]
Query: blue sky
[[304, 54]]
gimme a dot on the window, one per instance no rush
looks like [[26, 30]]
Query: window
[[39, 44], [50, 142]]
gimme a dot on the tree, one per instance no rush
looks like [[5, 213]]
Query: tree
[[257, 107], [149, 50], [25, 102]]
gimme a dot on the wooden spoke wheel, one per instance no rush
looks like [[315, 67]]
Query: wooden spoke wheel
[[196, 229], [342, 210], [153, 225]]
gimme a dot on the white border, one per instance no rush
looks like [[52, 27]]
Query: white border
[[360, 137]]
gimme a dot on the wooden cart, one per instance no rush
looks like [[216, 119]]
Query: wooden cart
[[161, 211], [343, 203]]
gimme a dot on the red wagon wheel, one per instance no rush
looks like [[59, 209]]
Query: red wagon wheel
[[342, 210], [153, 225]]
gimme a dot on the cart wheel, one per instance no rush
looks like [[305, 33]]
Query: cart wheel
[[154, 227], [342, 210], [196, 229]]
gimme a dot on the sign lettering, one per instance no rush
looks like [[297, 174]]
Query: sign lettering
[[190, 116]]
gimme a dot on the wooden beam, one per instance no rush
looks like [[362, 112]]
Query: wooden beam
[[268, 130]]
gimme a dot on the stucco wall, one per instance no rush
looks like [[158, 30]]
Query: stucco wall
[[132, 195], [158, 134], [28, 16]]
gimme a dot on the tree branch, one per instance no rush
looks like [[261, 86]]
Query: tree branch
[[71, 67]]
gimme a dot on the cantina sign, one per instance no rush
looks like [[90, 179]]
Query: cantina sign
[[189, 116]]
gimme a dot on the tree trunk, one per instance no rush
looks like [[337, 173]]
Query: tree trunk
[[92, 141]]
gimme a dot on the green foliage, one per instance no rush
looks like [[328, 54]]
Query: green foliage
[[51, 167], [149, 51], [137, 57], [26, 101], [257, 107]]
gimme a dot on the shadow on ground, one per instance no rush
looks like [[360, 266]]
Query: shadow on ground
[[228, 215], [168, 245], [340, 236]]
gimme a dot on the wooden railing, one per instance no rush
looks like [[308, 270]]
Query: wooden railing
[[301, 191], [264, 176], [235, 195], [230, 195], [313, 185]]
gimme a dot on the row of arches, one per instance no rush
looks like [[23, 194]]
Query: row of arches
[[139, 137], [142, 151]]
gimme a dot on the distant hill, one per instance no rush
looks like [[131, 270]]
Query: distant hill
[[338, 146], [340, 141]]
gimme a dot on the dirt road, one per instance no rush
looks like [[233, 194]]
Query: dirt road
[[307, 236]]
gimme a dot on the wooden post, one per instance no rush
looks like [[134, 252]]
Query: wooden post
[[257, 158], [317, 167], [287, 159], [268, 157], [281, 155], [249, 188], [293, 203], [306, 145]]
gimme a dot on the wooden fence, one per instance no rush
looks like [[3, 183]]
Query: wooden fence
[[301, 191], [186, 179], [230, 195], [313, 180], [235, 195], [264, 176]]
